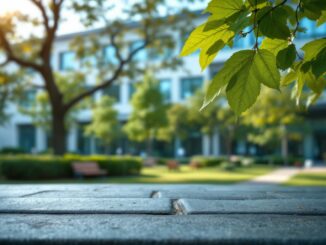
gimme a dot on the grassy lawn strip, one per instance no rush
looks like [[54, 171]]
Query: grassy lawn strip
[[308, 179], [186, 175]]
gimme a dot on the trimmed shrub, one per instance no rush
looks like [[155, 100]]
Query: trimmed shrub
[[202, 161], [11, 150], [50, 167], [33, 168]]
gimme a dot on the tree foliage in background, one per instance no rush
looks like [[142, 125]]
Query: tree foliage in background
[[149, 113], [104, 125], [271, 120], [39, 109], [142, 19], [277, 24]]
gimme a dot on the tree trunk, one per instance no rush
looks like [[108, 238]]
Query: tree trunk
[[285, 147], [59, 133]]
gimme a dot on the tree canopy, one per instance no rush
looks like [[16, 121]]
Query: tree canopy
[[274, 61], [149, 112]]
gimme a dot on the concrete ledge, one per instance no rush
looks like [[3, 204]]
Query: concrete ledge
[[161, 214]]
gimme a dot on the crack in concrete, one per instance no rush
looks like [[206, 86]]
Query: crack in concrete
[[178, 207]]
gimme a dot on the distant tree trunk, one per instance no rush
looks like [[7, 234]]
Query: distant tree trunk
[[59, 133], [58, 112], [285, 147]]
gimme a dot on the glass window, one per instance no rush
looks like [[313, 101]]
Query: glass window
[[165, 89], [114, 92], [27, 137], [67, 61], [141, 55], [83, 142], [110, 55], [190, 85]]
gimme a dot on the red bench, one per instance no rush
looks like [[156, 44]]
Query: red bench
[[87, 169]]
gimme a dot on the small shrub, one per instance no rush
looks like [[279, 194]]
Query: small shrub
[[11, 150], [228, 166], [202, 161]]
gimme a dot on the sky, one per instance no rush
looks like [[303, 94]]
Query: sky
[[72, 23]]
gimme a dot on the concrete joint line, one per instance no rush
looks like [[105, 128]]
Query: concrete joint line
[[39, 192]]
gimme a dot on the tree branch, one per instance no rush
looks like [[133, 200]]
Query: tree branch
[[41, 7], [114, 77], [12, 57]]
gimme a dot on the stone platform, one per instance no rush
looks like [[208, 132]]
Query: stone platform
[[161, 214]]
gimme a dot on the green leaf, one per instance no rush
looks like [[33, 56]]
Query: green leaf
[[224, 8], [322, 18], [318, 65], [274, 45], [243, 74], [203, 39], [230, 68], [312, 48], [239, 21], [316, 85], [313, 8], [289, 78], [266, 70], [208, 54], [286, 57], [273, 22]]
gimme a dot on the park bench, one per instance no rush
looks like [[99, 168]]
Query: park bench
[[87, 169], [173, 165]]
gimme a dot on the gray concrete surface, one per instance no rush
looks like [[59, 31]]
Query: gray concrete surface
[[161, 214]]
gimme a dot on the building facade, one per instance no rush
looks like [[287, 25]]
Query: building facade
[[176, 86]]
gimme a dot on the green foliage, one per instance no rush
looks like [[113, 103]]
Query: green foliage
[[202, 161], [269, 118], [70, 85], [178, 123], [105, 125], [25, 167], [243, 74], [149, 111]]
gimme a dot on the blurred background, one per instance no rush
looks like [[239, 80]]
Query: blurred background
[[146, 123]]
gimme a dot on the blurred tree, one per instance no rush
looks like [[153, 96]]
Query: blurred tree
[[149, 113], [270, 120], [39, 110], [178, 123], [145, 19], [8, 91], [105, 125]]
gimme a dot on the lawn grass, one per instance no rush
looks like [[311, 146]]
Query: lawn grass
[[308, 179], [186, 175]]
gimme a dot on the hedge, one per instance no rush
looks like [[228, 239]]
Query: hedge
[[202, 161], [50, 167]]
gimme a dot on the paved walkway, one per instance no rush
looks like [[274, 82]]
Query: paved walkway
[[161, 214], [281, 175]]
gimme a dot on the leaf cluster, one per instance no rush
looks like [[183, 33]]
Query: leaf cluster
[[277, 24]]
